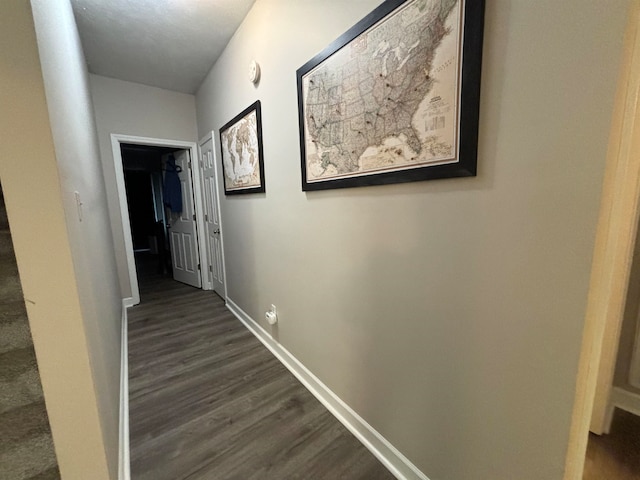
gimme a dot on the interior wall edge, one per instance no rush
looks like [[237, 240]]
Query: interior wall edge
[[124, 463], [611, 261]]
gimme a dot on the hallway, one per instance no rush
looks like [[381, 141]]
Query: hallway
[[209, 401]]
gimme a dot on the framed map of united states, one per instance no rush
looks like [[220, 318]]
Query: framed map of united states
[[394, 99]]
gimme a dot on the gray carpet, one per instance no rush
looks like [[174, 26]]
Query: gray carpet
[[26, 447]]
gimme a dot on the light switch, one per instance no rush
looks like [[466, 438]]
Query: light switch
[[78, 205]]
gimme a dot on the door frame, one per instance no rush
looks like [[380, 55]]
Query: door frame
[[212, 136], [116, 140], [613, 253]]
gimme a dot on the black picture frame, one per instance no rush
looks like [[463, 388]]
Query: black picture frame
[[469, 62], [254, 185]]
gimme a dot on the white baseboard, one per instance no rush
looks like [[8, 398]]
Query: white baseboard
[[129, 302], [626, 400], [398, 464], [124, 469]]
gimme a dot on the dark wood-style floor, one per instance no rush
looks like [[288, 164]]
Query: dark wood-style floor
[[615, 456], [209, 401]]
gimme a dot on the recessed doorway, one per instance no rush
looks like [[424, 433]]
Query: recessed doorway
[[161, 208]]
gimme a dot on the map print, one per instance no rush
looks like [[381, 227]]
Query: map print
[[240, 154], [388, 100]]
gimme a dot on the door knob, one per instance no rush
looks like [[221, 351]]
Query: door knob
[[216, 232]]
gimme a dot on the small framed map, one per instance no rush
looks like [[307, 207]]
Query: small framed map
[[241, 145], [395, 98]]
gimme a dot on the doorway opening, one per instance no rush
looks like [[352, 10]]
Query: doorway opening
[[144, 167], [161, 208]]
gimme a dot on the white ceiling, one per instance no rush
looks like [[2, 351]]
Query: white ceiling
[[169, 44]]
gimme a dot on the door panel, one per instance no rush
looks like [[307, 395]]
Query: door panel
[[212, 218], [191, 263], [176, 253], [184, 247]]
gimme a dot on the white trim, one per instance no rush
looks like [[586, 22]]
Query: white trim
[[124, 468], [124, 215], [116, 140], [206, 285], [626, 400], [634, 371], [128, 302], [206, 138], [211, 136], [607, 419], [198, 203], [391, 458], [218, 179]]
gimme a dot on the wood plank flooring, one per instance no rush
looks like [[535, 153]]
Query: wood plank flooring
[[615, 456], [209, 401]]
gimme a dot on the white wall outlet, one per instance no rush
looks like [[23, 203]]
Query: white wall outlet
[[271, 316]]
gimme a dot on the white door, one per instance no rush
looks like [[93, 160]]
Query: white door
[[212, 218], [182, 228]]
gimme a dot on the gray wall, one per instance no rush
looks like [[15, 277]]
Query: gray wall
[[448, 314], [76, 340], [139, 110], [73, 128]]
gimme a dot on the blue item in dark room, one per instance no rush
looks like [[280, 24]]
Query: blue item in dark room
[[172, 187]]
